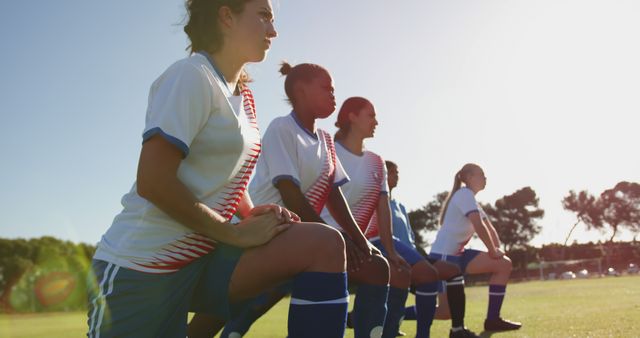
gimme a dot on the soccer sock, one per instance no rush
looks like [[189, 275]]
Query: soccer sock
[[395, 311], [369, 310], [410, 313], [318, 308], [457, 300], [496, 296], [239, 325], [426, 296]]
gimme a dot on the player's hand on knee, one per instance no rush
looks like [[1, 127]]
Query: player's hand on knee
[[398, 262], [282, 214], [259, 229]]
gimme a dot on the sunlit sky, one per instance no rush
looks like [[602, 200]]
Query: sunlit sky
[[539, 93]]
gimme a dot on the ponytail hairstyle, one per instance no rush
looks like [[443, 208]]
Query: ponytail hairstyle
[[461, 177], [351, 105], [305, 72], [203, 28], [390, 164]]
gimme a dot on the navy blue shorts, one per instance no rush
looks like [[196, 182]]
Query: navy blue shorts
[[411, 255], [125, 302], [460, 260]]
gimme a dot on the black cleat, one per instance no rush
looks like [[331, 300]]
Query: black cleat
[[464, 333], [500, 324]]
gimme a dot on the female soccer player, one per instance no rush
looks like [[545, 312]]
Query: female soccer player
[[300, 170], [368, 197], [461, 217], [174, 239]]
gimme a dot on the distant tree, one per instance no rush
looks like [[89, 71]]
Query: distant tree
[[514, 217], [620, 207], [614, 208], [585, 207], [426, 218]]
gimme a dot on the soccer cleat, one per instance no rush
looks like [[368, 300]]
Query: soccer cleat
[[500, 324], [400, 334], [464, 333]]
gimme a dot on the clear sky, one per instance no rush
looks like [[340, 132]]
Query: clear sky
[[539, 93]]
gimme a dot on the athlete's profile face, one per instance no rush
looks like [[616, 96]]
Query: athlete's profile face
[[392, 177], [319, 95], [364, 121], [253, 30], [477, 179]]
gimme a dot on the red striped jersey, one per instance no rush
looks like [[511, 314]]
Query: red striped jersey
[[220, 141], [368, 179], [290, 151]]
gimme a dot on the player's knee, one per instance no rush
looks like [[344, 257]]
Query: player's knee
[[329, 243], [423, 273], [400, 279], [447, 270], [507, 264], [377, 270]]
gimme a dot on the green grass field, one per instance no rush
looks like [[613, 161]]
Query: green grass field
[[600, 307]]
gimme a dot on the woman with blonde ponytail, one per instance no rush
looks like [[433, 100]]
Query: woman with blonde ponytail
[[460, 218]]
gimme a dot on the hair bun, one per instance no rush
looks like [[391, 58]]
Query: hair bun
[[285, 68]]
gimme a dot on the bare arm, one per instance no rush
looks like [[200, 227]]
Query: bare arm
[[340, 211], [157, 181], [492, 232], [294, 200], [386, 233], [483, 233]]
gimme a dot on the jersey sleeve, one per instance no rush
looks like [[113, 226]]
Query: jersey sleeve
[[341, 176], [465, 202], [179, 106], [279, 153]]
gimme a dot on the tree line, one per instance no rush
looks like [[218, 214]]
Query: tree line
[[516, 216]]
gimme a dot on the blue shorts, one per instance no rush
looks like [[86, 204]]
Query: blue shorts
[[411, 255], [460, 260], [125, 302]]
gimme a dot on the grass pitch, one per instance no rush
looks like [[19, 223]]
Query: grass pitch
[[599, 307]]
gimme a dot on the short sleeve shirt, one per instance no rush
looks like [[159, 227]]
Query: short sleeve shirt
[[190, 106], [368, 180], [290, 151], [457, 229]]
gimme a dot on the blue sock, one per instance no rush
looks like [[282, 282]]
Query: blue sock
[[369, 310], [395, 311], [318, 308], [426, 295], [496, 296], [240, 324], [410, 313]]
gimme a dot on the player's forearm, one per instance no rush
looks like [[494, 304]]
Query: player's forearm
[[171, 196], [341, 213], [384, 224], [482, 232], [493, 233], [294, 200]]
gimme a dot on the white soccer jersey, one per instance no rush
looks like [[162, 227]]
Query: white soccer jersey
[[457, 229], [191, 106], [293, 152], [368, 179]]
